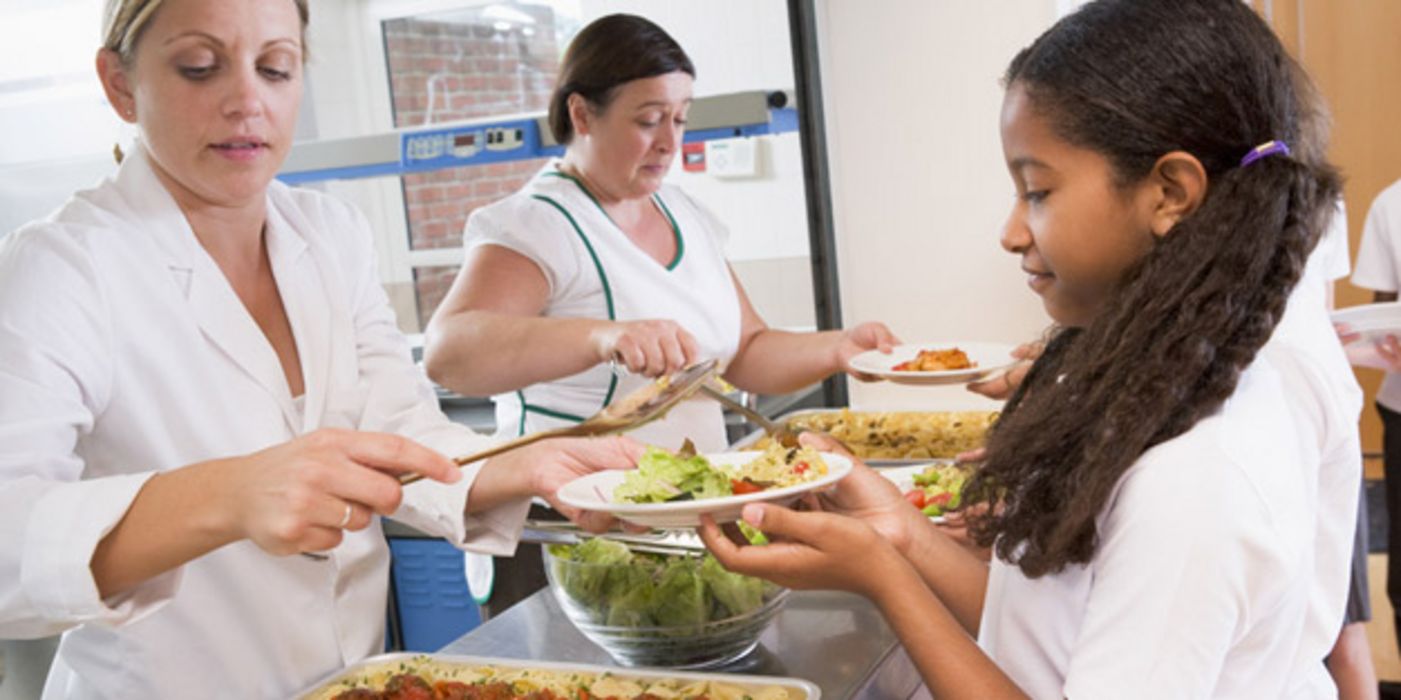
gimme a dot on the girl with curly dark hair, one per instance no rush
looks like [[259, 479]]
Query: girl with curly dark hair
[[1170, 492]]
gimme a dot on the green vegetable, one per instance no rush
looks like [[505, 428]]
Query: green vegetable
[[622, 588], [681, 595], [589, 584], [661, 476], [739, 594]]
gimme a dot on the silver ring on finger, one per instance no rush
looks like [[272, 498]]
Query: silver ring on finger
[[345, 519]]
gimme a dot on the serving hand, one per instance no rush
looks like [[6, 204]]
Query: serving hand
[[871, 335], [650, 348], [301, 495]]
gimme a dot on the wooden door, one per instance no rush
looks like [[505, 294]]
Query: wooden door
[[1352, 49]]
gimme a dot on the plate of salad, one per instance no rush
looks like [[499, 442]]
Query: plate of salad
[[670, 490], [935, 488]]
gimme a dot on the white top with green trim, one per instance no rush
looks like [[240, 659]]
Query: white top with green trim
[[595, 271]]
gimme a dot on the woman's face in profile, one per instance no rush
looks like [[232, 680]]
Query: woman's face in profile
[[216, 85]]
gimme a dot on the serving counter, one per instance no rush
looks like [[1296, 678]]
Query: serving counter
[[836, 640]]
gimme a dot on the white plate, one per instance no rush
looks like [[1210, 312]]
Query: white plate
[[595, 492], [1373, 322], [987, 358]]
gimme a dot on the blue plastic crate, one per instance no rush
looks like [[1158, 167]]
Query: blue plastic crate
[[434, 604]]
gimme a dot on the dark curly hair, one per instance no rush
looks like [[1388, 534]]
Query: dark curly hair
[[1134, 80]]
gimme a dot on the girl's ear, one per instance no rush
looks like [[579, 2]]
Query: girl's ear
[[579, 113], [1180, 183]]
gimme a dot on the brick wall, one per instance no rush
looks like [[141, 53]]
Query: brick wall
[[449, 70]]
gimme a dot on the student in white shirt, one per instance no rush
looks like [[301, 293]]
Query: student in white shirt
[[191, 359], [1379, 269], [1172, 488]]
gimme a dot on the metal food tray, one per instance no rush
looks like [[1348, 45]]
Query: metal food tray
[[784, 418], [805, 690]]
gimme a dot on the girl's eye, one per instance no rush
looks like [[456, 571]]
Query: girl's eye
[[680, 121], [197, 72], [1035, 196]]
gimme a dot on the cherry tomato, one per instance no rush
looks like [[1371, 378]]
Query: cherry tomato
[[740, 486]]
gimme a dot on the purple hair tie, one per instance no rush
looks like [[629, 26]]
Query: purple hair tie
[[1266, 149]]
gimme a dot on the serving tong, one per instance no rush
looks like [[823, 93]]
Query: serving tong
[[642, 406], [779, 432], [668, 542]]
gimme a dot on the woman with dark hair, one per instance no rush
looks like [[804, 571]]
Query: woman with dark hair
[[597, 265], [1170, 491]]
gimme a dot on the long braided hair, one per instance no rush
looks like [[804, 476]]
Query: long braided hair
[[1134, 80]]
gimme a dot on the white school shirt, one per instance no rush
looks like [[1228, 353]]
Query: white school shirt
[[1379, 267], [1223, 560], [595, 271], [124, 352]]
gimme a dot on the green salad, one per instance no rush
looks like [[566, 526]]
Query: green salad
[[622, 588], [939, 488], [662, 476]]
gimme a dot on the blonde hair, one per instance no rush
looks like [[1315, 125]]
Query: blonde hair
[[123, 21]]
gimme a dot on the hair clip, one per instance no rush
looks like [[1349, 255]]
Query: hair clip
[[1264, 150]]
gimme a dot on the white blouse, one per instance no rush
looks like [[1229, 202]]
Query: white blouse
[[124, 352], [595, 271]]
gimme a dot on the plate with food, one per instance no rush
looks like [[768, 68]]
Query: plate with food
[[935, 362], [672, 490], [935, 488]]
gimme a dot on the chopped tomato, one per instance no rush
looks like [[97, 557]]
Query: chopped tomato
[[740, 486], [939, 500], [800, 467], [916, 498]]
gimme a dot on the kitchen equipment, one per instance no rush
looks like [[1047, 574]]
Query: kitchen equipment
[[637, 408]]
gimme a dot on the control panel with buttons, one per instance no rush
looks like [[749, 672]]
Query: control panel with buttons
[[471, 144]]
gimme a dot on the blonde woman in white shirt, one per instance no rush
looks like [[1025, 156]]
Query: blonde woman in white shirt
[[189, 353]]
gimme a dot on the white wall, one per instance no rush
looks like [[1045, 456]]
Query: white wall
[[919, 187]]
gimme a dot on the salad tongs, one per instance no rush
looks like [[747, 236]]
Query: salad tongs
[[637, 408]]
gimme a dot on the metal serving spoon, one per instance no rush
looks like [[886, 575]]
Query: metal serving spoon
[[637, 408], [779, 432]]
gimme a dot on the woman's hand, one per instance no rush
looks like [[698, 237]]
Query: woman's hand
[[301, 495], [867, 336], [805, 550], [1000, 386], [550, 464], [650, 348]]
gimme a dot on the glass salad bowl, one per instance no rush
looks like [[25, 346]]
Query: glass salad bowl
[[672, 611]]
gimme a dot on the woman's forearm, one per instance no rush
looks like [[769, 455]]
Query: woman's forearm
[[176, 517], [777, 362], [481, 353]]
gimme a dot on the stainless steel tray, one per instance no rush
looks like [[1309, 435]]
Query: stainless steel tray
[[883, 461], [796, 688]]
